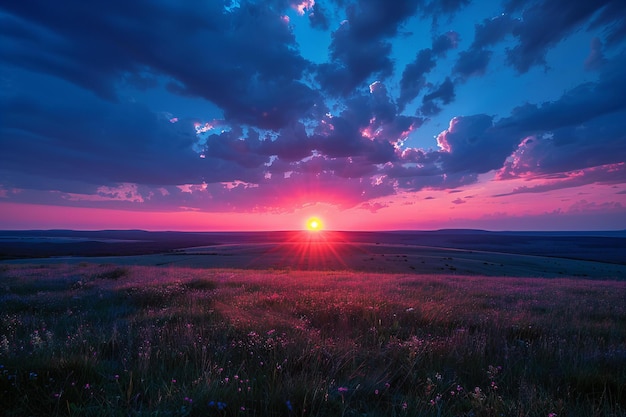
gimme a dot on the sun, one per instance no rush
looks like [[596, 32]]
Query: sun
[[314, 224]]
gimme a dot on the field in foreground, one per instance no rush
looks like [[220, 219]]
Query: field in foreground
[[90, 339]]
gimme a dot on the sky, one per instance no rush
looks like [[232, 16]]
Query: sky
[[255, 115]]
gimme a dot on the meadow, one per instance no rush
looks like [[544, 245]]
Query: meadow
[[91, 339]]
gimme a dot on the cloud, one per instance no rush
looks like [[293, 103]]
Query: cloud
[[494, 30], [291, 132], [437, 8], [180, 41], [78, 136], [413, 77], [234, 145], [572, 132], [472, 63], [605, 174], [569, 148], [317, 17], [354, 61], [442, 94], [544, 24], [373, 207], [595, 59], [375, 19], [474, 144], [611, 18], [445, 42]]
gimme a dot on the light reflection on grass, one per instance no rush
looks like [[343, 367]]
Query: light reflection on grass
[[103, 340]]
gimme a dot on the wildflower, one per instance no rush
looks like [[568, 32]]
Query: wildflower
[[376, 392], [405, 405], [242, 408], [552, 415], [187, 399], [342, 390], [289, 406]]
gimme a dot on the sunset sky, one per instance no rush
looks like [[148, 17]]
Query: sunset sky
[[256, 115]]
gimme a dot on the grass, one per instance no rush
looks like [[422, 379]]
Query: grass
[[100, 340]]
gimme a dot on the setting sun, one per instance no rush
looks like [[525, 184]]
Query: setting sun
[[314, 224]]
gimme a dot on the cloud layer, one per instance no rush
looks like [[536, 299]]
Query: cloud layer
[[289, 130]]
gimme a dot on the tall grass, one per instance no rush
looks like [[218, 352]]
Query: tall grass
[[96, 340]]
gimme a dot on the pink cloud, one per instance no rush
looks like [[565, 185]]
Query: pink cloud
[[605, 174], [124, 192]]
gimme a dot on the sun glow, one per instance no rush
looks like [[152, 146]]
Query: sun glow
[[314, 224]]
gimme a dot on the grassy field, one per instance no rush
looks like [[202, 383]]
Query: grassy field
[[107, 340]]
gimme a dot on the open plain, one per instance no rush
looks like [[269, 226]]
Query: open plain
[[449, 323]]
